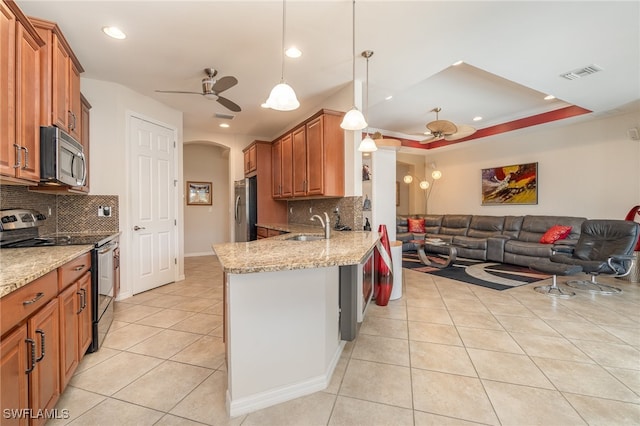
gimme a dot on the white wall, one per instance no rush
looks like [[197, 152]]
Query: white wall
[[589, 169], [109, 171], [415, 165], [402, 169], [206, 225]]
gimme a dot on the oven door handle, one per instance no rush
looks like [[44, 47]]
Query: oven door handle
[[107, 248]]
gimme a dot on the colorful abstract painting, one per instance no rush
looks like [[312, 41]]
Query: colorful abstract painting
[[517, 184]]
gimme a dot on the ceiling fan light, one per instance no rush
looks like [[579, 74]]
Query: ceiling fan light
[[407, 179], [211, 96], [367, 145], [424, 184], [353, 120], [437, 174], [282, 98]]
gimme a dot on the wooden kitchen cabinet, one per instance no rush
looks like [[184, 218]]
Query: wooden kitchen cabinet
[[19, 103], [31, 315], [60, 102], [14, 383], [286, 168], [69, 305], [299, 165], [44, 380], [268, 210], [276, 168], [46, 328], [316, 163], [250, 163], [75, 326]]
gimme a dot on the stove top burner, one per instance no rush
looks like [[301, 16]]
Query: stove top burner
[[60, 240]]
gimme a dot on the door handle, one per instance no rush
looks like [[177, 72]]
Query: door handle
[[236, 209], [137, 228]]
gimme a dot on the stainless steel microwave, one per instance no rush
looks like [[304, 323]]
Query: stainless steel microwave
[[62, 158]]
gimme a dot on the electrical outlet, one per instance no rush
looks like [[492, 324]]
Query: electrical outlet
[[310, 210], [104, 211]]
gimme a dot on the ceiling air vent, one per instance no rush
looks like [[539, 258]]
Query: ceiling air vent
[[581, 72], [225, 116]]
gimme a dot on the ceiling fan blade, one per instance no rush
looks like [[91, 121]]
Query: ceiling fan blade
[[178, 91], [464, 130], [224, 83], [442, 126], [229, 104]]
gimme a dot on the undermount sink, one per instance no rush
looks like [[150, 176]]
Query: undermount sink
[[305, 238]]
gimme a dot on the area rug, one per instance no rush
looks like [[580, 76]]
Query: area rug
[[497, 276]]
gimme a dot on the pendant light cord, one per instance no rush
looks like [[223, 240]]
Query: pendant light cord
[[284, 26], [367, 104], [353, 47]]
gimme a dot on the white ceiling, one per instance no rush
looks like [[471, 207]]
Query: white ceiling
[[514, 53]]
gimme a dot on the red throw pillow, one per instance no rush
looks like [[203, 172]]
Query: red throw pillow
[[416, 225], [555, 233]]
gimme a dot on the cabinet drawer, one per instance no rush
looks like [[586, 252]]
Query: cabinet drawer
[[70, 272], [25, 301]]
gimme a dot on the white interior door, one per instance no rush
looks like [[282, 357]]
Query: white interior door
[[152, 204]]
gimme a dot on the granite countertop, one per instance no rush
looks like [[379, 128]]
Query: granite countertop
[[280, 254], [20, 266]]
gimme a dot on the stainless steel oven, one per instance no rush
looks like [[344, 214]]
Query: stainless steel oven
[[104, 270], [18, 228]]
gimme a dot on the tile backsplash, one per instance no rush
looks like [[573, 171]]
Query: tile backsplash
[[65, 213], [349, 209]]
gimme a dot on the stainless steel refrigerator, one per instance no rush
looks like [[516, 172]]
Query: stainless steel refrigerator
[[245, 209]]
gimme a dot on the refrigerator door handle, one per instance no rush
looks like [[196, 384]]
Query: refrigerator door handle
[[237, 208]]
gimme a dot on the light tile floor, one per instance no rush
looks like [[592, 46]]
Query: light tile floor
[[444, 354]]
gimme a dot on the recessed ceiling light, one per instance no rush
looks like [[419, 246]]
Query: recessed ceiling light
[[477, 118], [455, 64], [388, 98], [293, 52], [224, 125], [114, 32], [549, 97]]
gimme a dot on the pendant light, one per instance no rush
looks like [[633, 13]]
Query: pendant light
[[353, 119], [367, 144], [282, 96]]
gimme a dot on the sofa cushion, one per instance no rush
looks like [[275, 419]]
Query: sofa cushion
[[455, 224], [485, 226], [432, 223], [555, 233], [470, 242], [533, 227], [527, 248], [416, 225]]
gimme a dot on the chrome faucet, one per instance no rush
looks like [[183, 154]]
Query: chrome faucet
[[326, 223]]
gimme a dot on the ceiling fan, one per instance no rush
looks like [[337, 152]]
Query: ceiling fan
[[211, 89], [444, 129]]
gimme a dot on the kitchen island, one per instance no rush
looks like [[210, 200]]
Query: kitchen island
[[282, 314]]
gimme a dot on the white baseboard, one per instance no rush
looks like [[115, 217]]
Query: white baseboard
[[202, 253]]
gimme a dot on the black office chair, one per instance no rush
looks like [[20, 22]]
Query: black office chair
[[604, 247]]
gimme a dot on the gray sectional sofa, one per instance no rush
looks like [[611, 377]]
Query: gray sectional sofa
[[504, 239]]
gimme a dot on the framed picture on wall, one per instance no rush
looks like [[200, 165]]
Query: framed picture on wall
[[199, 194], [515, 184]]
